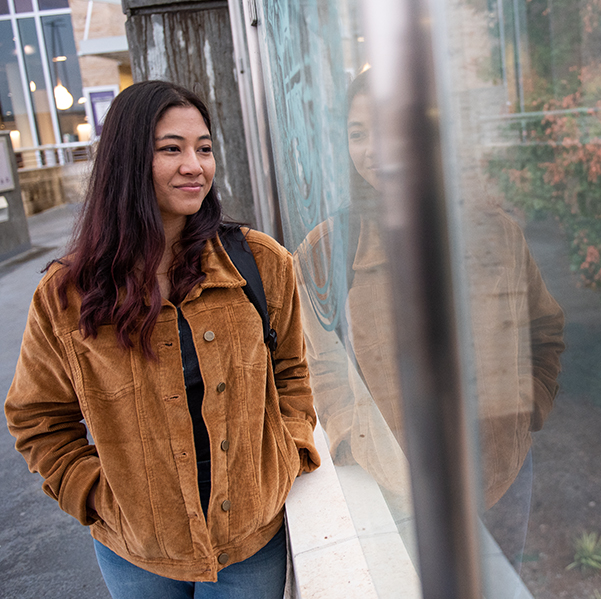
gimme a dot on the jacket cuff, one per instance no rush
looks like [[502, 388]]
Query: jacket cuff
[[76, 487], [302, 433]]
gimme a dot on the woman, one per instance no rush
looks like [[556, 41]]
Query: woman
[[144, 331]]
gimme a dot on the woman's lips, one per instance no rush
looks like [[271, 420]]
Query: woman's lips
[[189, 186]]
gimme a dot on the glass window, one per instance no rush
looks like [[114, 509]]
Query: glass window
[[36, 81], [23, 6], [52, 4], [65, 74], [13, 110], [536, 150], [4, 10], [523, 120], [318, 96]]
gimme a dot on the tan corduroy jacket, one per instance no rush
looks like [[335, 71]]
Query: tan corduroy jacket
[[140, 444]]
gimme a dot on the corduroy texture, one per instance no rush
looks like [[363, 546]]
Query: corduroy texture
[[148, 506]]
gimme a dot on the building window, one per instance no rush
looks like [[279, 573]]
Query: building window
[[41, 97], [65, 75]]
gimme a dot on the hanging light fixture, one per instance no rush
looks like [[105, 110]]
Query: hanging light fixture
[[63, 98]]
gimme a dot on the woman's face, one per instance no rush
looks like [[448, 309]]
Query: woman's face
[[183, 166], [361, 140]]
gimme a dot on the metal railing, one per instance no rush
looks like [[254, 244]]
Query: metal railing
[[52, 155]]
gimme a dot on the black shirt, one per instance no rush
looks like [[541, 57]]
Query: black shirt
[[194, 388]]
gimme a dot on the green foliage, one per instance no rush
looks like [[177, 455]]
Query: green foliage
[[557, 171], [588, 552], [555, 167]]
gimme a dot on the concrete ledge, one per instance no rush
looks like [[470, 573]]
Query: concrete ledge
[[103, 45], [326, 553], [170, 5], [345, 543]]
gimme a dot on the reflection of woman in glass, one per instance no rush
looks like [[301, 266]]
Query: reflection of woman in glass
[[144, 331], [352, 363], [517, 329]]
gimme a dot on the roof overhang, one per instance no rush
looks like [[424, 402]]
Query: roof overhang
[[114, 48]]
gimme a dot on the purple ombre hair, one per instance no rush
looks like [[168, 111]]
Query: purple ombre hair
[[119, 239]]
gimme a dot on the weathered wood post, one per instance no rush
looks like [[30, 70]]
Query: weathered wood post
[[190, 43]]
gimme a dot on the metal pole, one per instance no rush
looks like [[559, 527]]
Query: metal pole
[[244, 22], [501, 17], [518, 53], [438, 431], [86, 30]]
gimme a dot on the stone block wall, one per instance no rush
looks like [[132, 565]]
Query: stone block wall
[[52, 186]]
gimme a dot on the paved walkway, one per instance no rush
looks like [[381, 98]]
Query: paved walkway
[[44, 553]]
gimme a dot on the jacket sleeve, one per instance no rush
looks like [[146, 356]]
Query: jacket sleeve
[[330, 374], [44, 416], [292, 372]]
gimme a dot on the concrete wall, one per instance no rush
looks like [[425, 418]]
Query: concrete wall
[[45, 188], [14, 234]]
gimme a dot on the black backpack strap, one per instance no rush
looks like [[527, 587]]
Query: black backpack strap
[[241, 255]]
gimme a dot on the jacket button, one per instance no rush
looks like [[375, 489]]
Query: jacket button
[[221, 388], [209, 336], [223, 558], [226, 505], [225, 445]]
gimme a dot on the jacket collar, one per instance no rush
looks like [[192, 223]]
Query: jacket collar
[[219, 270]]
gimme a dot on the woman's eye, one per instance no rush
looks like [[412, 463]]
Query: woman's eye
[[169, 149], [206, 150], [356, 135]]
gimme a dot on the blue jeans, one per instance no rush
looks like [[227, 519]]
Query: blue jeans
[[261, 576]]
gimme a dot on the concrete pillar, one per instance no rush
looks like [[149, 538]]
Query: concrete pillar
[[14, 232], [190, 43]]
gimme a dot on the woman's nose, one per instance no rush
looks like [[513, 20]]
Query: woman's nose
[[190, 163], [369, 146]]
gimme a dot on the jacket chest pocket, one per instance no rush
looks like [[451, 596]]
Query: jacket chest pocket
[[247, 325], [102, 369]]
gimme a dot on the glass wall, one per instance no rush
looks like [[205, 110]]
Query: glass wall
[[14, 112], [437, 176], [34, 69], [41, 92], [536, 140], [65, 75], [317, 75]]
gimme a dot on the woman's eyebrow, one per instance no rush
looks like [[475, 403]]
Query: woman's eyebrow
[[180, 137]]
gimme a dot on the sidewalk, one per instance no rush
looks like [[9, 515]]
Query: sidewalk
[[43, 551]]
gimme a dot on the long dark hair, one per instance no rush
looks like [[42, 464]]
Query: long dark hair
[[119, 240]]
